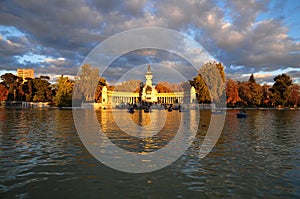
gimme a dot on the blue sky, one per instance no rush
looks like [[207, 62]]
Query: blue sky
[[54, 37]]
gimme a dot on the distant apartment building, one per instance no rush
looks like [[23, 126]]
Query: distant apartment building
[[25, 73]]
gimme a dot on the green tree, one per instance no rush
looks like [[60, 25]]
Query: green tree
[[28, 89], [9, 78], [64, 89], [14, 85], [42, 90], [281, 89], [251, 79], [256, 93]]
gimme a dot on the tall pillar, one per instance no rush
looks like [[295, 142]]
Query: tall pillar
[[104, 94]]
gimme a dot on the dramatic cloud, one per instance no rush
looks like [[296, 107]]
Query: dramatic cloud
[[55, 36]]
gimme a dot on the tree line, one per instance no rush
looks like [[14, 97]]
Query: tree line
[[39, 89], [210, 85], [283, 92]]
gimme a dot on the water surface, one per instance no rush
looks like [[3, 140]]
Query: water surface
[[256, 157]]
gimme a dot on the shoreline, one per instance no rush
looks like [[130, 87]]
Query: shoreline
[[77, 108], [49, 105]]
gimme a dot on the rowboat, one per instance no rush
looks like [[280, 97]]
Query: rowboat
[[241, 115]]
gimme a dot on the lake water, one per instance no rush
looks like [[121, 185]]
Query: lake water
[[42, 156]]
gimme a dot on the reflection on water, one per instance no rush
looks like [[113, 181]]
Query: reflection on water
[[42, 156], [155, 134]]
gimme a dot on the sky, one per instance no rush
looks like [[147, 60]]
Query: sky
[[54, 37]]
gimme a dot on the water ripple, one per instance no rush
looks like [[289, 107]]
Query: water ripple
[[256, 157]]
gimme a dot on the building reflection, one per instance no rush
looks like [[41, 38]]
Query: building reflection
[[139, 144]]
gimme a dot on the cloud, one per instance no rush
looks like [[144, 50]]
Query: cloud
[[58, 62], [252, 34], [13, 46]]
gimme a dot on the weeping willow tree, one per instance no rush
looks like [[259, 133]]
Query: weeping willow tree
[[86, 83]]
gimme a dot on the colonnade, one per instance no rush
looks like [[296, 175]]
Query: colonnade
[[162, 98], [123, 99], [169, 100]]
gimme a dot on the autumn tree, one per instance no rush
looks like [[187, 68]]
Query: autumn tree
[[173, 87], [14, 85], [232, 92], [162, 87], [244, 92], [202, 91], [3, 92], [294, 98], [128, 86], [250, 92], [266, 95]]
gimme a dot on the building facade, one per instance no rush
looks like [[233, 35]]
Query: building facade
[[25, 73], [148, 93]]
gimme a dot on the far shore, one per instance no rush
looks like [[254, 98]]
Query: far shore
[[45, 105]]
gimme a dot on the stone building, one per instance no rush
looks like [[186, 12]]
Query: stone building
[[148, 93]]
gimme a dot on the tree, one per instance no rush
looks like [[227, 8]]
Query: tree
[[162, 87], [3, 92], [251, 79], [98, 93], [214, 78], [250, 92], [281, 89], [42, 90], [244, 92], [202, 91], [232, 92], [256, 94], [141, 86], [266, 95], [14, 85], [210, 82], [45, 77], [128, 86], [9, 78], [294, 98], [63, 97], [28, 89], [86, 83]]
